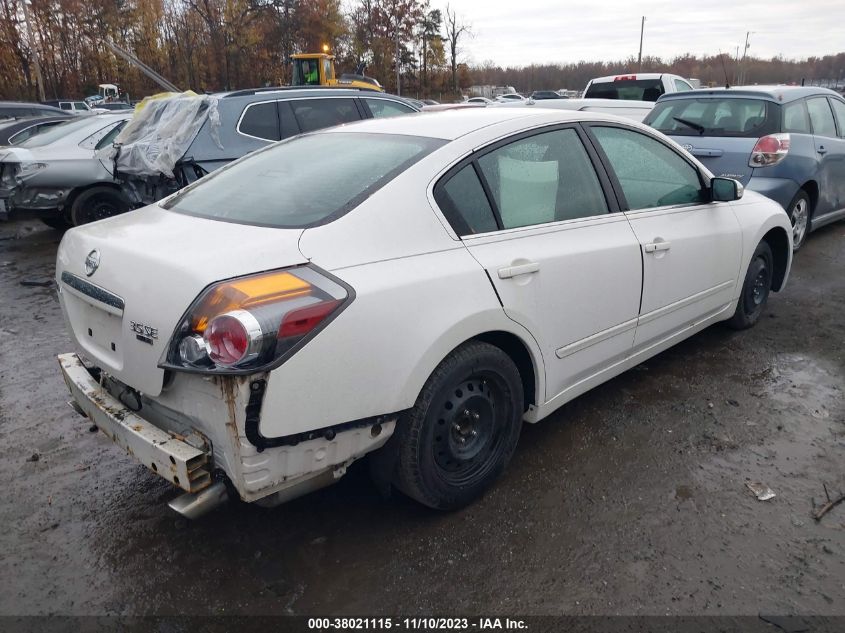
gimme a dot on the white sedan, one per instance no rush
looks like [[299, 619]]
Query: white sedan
[[415, 287]]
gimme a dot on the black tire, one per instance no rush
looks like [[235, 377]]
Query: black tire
[[755, 289], [800, 216], [59, 223], [463, 429], [97, 203]]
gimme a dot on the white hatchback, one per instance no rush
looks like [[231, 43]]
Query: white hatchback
[[414, 287]]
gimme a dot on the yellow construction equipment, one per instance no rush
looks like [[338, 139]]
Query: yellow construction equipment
[[317, 69]]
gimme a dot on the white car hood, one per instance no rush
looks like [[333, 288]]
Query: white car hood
[[156, 262]]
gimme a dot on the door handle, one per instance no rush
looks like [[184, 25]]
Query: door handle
[[522, 269], [653, 247], [821, 150]]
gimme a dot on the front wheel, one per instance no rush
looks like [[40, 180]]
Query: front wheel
[[463, 429], [799, 217], [755, 289], [97, 203]]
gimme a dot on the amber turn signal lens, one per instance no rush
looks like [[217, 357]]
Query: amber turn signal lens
[[245, 293]]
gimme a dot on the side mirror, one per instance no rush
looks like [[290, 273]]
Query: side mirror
[[726, 189]]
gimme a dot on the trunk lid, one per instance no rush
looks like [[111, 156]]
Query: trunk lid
[[152, 264], [725, 156]]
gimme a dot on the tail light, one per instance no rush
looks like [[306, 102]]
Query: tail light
[[769, 150], [254, 323]]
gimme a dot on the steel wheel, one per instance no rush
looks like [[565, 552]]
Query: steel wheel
[[463, 429], [97, 203], [755, 289]]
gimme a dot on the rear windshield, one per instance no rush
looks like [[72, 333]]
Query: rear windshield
[[305, 181], [636, 89], [749, 118]]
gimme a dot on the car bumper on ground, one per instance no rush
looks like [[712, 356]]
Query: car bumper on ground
[[781, 190]]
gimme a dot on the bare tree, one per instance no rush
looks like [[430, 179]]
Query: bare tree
[[455, 30]]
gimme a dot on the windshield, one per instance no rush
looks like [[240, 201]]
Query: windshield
[[748, 118], [631, 89], [63, 129], [305, 181]]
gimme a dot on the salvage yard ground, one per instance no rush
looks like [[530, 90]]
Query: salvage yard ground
[[633, 499]]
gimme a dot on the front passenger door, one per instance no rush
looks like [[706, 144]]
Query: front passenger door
[[691, 247]]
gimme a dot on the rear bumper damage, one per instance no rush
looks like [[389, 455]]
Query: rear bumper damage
[[195, 431]]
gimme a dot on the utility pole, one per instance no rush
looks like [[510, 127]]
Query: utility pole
[[38, 77], [742, 63], [640, 56]]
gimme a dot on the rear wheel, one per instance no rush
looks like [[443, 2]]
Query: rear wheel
[[463, 429], [97, 203], [799, 217], [755, 289]]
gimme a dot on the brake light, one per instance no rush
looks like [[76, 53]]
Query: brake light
[[769, 150], [625, 78], [253, 323]]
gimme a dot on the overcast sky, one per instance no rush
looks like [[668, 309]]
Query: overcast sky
[[521, 32]]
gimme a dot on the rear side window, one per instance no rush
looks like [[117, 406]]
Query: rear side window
[[821, 117], [66, 106], [543, 178], [316, 114], [465, 204], [260, 120], [109, 138], [638, 89], [651, 174], [795, 118], [381, 108], [839, 111], [749, 118], [285, 185]]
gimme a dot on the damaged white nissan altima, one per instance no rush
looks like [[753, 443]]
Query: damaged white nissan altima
[[414, 288]]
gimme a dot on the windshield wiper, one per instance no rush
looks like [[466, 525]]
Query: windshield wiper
[[690, 124]]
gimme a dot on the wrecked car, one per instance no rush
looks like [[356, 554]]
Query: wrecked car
[[175, 141], [55, 176], [411, 288]]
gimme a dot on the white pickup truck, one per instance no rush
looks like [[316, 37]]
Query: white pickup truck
[[636, 86]]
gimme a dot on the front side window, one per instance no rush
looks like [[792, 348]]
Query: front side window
[[650, 174], [316, 114], [543, 178], [112, 134], [382, 108], [284, 185], [839, 111], [821, 117], [260, 120], [682, 86]]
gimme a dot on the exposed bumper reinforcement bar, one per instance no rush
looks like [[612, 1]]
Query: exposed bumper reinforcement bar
[[166, 455]]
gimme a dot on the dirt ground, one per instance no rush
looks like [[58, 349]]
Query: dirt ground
[[629, 500]]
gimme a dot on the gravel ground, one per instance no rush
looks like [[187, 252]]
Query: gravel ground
[[630, 500]]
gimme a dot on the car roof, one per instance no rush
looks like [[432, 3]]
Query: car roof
[[636, 76], [452, 124], [779, 93], [300, 91]]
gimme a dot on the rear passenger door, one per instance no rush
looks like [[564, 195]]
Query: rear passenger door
[[830, 149], [533, 211], [691, 247]]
